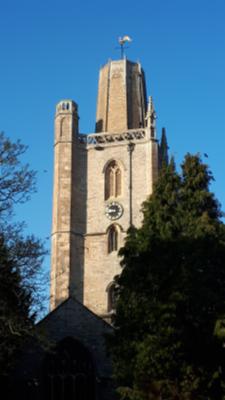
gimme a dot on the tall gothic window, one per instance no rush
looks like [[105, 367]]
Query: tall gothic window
[[68, 373], [113, 180], [111, 297], [112, 239]]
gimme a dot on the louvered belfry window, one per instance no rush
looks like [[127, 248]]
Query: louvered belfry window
[[113, 180]]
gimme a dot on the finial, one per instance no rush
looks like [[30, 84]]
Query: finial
[[151, 116], [122, 41]]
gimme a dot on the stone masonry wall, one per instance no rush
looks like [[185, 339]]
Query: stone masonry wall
[[101, 267]]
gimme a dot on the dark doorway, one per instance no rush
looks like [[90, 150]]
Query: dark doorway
[[69, 372]]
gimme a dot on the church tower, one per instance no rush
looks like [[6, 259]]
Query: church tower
[[121, 97], [100, 182]]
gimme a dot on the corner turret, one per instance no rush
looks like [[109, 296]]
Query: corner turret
[[66, 120]]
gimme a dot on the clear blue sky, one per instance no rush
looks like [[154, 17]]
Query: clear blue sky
[[52, 50]]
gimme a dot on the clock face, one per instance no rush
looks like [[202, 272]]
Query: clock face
[[114, 210]]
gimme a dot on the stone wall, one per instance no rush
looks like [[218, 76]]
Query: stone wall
[[100, 267]]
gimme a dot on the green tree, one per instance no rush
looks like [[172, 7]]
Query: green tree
[[169, 322], [20, 257]]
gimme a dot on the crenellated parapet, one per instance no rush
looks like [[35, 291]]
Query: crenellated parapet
[[106, 138]]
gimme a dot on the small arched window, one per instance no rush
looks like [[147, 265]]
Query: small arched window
[[111, 292], [112, 239], [113, 180]]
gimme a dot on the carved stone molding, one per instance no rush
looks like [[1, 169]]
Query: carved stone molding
[[105, 138]]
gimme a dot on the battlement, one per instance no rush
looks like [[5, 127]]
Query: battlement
[[104, 138]]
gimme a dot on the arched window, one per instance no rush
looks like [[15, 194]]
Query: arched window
[[112, 239], [113, 180], [111, 292], [68, 372]]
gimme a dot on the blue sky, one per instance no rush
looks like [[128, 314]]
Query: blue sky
[[52, 50]]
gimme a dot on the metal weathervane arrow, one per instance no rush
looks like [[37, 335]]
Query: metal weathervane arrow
[[122, 41]]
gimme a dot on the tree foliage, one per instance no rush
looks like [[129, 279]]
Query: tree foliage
[[17, 180], [169, 323], [20, 256], [163, 150]]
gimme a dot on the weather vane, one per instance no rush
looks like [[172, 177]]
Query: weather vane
[[122, 41]]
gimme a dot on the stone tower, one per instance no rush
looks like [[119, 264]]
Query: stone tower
[[122, 92], [100, 182], [69, 199]]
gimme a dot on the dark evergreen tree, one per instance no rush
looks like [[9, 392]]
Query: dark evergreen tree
[[168, 341], [163, 149]]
